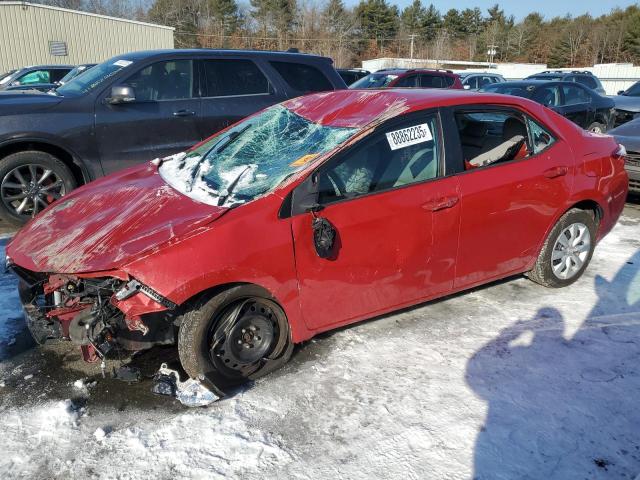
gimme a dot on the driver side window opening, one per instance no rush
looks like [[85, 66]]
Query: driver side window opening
[[490, 137], [169, 80], [397, 156]]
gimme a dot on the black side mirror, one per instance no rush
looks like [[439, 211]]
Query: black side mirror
[[305, 196], [121, 94]]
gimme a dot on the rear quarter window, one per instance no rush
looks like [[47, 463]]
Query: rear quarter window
[[587, 81], [301, 77]]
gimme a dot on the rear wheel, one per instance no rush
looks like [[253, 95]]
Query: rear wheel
[[597, 127], [237, 335], [567, 250], [29, 182]]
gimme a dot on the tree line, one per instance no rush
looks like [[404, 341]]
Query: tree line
[[377, 28]]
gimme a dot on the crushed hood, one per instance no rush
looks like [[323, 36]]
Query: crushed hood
[[629, 104], [109, 223]]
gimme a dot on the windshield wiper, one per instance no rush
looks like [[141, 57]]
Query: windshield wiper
[[226, 193], [232, 138]]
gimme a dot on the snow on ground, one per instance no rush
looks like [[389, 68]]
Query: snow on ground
[[11, 321], [508, 381]]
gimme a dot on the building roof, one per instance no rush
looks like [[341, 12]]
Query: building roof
[[80, 12]]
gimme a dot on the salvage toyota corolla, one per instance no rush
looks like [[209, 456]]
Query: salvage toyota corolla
[[313, 214]]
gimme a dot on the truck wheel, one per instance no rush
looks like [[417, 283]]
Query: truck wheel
[[566, 251], [29, 182], [237, 335], [597, 127]]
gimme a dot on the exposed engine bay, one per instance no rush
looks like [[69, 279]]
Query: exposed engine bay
[[95, 313]]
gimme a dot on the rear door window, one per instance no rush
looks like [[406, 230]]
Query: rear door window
[[492, 136], [575, 95], [230, 77], [168, 80], [483, 81], [432, 81], [472, 83], [548, 96], [408, 81], [301, 77]]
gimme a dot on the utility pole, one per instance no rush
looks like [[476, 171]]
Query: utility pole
[[491, 53], [412, 38]]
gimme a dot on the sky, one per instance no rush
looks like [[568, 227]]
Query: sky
[[520, 8]]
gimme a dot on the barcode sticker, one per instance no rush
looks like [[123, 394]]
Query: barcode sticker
[[409, 136]]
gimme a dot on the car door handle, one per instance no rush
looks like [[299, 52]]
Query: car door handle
[[441, 203], [556, 172], [184, 113]]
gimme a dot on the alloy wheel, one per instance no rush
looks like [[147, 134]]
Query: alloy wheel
[[28, 189], [570, 251]]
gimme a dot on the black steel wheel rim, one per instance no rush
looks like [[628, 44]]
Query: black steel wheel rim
[[243, 335], [28, 189]]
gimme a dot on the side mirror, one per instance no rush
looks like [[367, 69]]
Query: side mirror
[[467, 87], [620, 92], [121, 94], [305, 196]]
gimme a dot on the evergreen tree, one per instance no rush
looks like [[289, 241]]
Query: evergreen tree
[[413, 18], [632, 37], [432, 22], [223, 14], [452, 21], [378, 20]]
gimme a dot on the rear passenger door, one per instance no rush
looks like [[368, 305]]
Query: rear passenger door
[[515, 176], [232, 89]]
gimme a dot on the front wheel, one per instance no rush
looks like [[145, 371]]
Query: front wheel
[[29, 182], [567, 250], [237, 335]]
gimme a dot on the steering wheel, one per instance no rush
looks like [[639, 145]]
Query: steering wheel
[[337, 183]]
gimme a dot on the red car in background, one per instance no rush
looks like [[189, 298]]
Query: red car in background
[[314, 214], [409, 78]]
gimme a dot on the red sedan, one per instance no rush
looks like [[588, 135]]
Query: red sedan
[[313, 214]]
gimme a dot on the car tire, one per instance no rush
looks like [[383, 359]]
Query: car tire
[[219, 333], [16, 187], [559, 265], [597, 127]]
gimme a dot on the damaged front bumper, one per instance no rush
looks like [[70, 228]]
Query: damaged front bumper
[[95, 311]]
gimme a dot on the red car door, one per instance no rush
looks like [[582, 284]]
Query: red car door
[[508, 203], [397, 227]]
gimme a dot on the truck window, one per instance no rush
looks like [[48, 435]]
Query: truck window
[[301, 77]]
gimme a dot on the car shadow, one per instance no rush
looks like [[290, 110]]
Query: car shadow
[[564, 407]]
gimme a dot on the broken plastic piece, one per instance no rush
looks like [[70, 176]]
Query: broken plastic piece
[[190, 393]]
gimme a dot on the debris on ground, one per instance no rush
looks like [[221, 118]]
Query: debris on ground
[[190, 393]]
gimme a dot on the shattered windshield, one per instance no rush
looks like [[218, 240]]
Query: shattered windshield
[[252, 158], [374, 80]]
